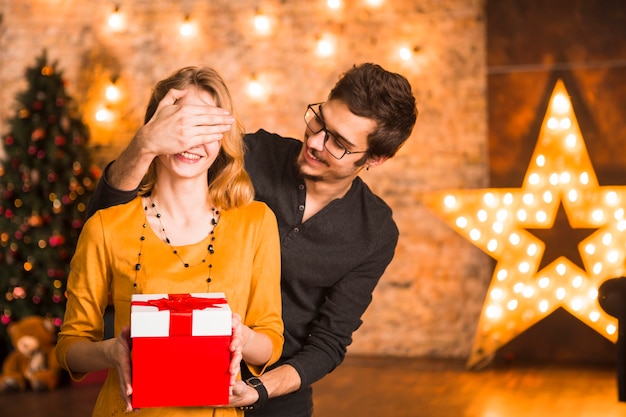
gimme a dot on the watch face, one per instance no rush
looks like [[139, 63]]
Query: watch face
[[254, 382]]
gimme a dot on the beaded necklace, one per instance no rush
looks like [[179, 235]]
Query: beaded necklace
[[207, 256]]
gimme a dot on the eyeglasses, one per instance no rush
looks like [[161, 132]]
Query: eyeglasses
[[316, 124]]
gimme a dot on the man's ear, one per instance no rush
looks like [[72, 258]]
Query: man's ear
[[375, 161]]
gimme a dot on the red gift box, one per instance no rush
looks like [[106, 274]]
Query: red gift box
[[180, 354]]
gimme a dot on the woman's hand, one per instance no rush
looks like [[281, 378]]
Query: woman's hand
[[236, 347], [118, 353]]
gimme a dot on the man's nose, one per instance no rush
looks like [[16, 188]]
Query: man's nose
[[316, 140]]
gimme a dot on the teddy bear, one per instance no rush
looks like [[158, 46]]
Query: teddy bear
[[32, 363]]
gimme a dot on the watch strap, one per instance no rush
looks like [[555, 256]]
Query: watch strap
[[257, 384]]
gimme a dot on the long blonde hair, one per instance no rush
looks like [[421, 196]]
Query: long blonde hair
[[229, 183]]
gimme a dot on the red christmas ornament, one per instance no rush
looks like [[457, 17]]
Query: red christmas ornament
[[9, 140], [32, 150], [59, 140]]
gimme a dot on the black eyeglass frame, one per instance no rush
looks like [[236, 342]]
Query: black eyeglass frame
[[327, 134]]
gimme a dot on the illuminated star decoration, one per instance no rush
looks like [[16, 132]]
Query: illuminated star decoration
[[496, 220]]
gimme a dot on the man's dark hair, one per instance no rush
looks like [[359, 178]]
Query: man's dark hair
[[385, 97]]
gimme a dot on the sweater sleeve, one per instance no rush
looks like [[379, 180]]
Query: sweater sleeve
[[340, 313], [264, 311], [87, 293], [105, 195]]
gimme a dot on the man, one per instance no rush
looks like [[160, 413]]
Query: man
[[337, 237]]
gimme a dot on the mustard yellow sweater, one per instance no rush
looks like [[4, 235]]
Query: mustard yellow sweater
[[246, 267]]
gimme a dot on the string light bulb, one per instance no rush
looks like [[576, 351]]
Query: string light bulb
[[116, 20], [325, 46], [104, 115], [256, 89], [333, 4], [112, 91], [262, 23], [496, 220], [187, 27], [405, 53]]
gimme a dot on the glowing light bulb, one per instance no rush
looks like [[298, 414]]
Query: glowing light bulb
[[461, 222], [333, 4], [560, 103], [116, 20], [112, 93], [611, 329], [541, 216], [502, 274], [187, 28], [541, 160], [256, 89], [489, 199], [496, 294], [553, 123], [104, 115], [570, 140], [449, 201], [405, 53], [262, 24], [325, 47], [493, 312]]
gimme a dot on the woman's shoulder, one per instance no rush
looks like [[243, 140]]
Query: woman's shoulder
[[255, 211], [254, 208], [120, 213]]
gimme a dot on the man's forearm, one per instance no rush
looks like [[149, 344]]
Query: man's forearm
[[281, 380], [126, 172]]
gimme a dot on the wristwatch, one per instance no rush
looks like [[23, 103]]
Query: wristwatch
[[257, 384]]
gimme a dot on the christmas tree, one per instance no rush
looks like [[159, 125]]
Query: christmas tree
[[46, 180]]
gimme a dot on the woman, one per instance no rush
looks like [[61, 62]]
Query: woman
[[194, 227]]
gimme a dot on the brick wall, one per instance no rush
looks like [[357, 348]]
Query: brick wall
[[428, 301]]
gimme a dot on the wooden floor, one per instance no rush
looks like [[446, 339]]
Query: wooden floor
[[407, 388]]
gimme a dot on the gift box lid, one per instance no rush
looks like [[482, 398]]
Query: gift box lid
[[156, 315]]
